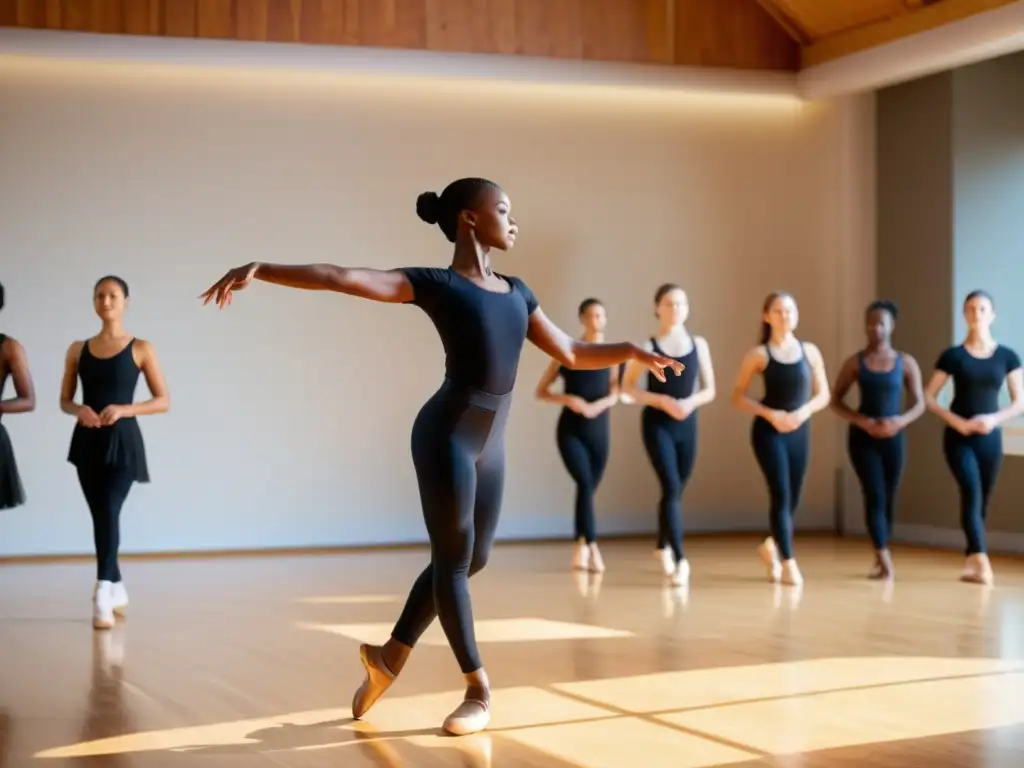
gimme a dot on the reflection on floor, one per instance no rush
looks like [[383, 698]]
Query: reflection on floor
[[252, 662]]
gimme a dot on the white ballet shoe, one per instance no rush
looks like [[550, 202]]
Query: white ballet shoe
[[667, 560], [596, 561], [681, 575], [581, 556], [471, 716], [102, 606], [119, 598], [791, 575]]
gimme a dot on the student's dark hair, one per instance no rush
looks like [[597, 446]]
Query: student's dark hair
[[980, 294], [665, 288], [112, 279], [771, 298], [1, 295], [444, 209], [883, 305], [587, 304]]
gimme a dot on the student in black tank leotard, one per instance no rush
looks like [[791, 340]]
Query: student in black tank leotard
[[584, 431], [106, 446], [669, 420], [13, 364], [876, 443], [795, 388], [972, 441], [458, 439]]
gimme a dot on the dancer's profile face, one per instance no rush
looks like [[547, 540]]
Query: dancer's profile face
[[594, 318], [878, 325], [782, 315], [109, 300], [979, 313], [673, 308], [491, 220]]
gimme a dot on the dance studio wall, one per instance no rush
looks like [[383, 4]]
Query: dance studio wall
[[951, 193], [291, 411]]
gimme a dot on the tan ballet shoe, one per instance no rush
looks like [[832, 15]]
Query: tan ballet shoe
[[471, 716], [378, 679]]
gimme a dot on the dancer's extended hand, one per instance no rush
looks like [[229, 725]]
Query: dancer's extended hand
[[235, 280], [658, 363]]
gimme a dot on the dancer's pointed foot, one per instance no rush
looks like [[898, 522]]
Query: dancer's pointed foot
[[379, 678]]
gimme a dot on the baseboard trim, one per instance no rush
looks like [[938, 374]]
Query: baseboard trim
[[999, 542], [199, 554]]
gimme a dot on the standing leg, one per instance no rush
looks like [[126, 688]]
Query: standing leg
[[963, 459], [893, 461], [963, 463], [866, 458], [684, 446], [474, 712], [577, 461], [989, 454], [598, 443], [773, 460], [661, 451], [106, 489], [92, 486], [798, 449]]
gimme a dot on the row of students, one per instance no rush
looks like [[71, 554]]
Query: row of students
[[795, 388], [107, 449]]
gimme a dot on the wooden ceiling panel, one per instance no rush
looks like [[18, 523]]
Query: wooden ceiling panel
[[820, 18], [726, 33], [744, 34]]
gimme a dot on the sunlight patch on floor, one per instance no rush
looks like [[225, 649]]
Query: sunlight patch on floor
[[487, 631]]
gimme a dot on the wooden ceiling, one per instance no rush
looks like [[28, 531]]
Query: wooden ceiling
[[745, 34]]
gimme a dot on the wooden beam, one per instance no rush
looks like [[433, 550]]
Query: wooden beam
[[788, 25], [926, 18]]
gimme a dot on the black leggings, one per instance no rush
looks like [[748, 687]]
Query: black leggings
[[583, 444], [672, 448], [458, 449], [105, 489], [975, 461], [879, 466], [783, 458]]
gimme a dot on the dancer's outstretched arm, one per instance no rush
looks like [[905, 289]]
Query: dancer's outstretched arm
[[375, 284], [583, 355]]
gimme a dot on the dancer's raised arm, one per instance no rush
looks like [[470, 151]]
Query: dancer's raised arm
[[390, 285]]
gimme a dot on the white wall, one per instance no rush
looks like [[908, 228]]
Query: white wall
[[291, 412]]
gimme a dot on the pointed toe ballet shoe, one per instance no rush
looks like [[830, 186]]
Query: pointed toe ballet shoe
[[378, 679], [471, 716]]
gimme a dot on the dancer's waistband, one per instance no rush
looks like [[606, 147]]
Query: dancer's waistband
[[473, 396]]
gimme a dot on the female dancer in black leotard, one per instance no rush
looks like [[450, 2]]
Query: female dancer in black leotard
[[106, 446], [875, 441], [584, 431], [669, 419], [795, 388], [972, 441], [13, 363], [458, 439]]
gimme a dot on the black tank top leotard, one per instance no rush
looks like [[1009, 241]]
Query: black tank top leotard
[[588, 385], [677, 387], [787, 386], [109, 381], [12, 494], [881, 392]]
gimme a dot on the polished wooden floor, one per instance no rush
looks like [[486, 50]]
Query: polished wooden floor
[[252, 662]]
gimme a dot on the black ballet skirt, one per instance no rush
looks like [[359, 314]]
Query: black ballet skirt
[[12, 494], [120, 445], [109, 381]]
